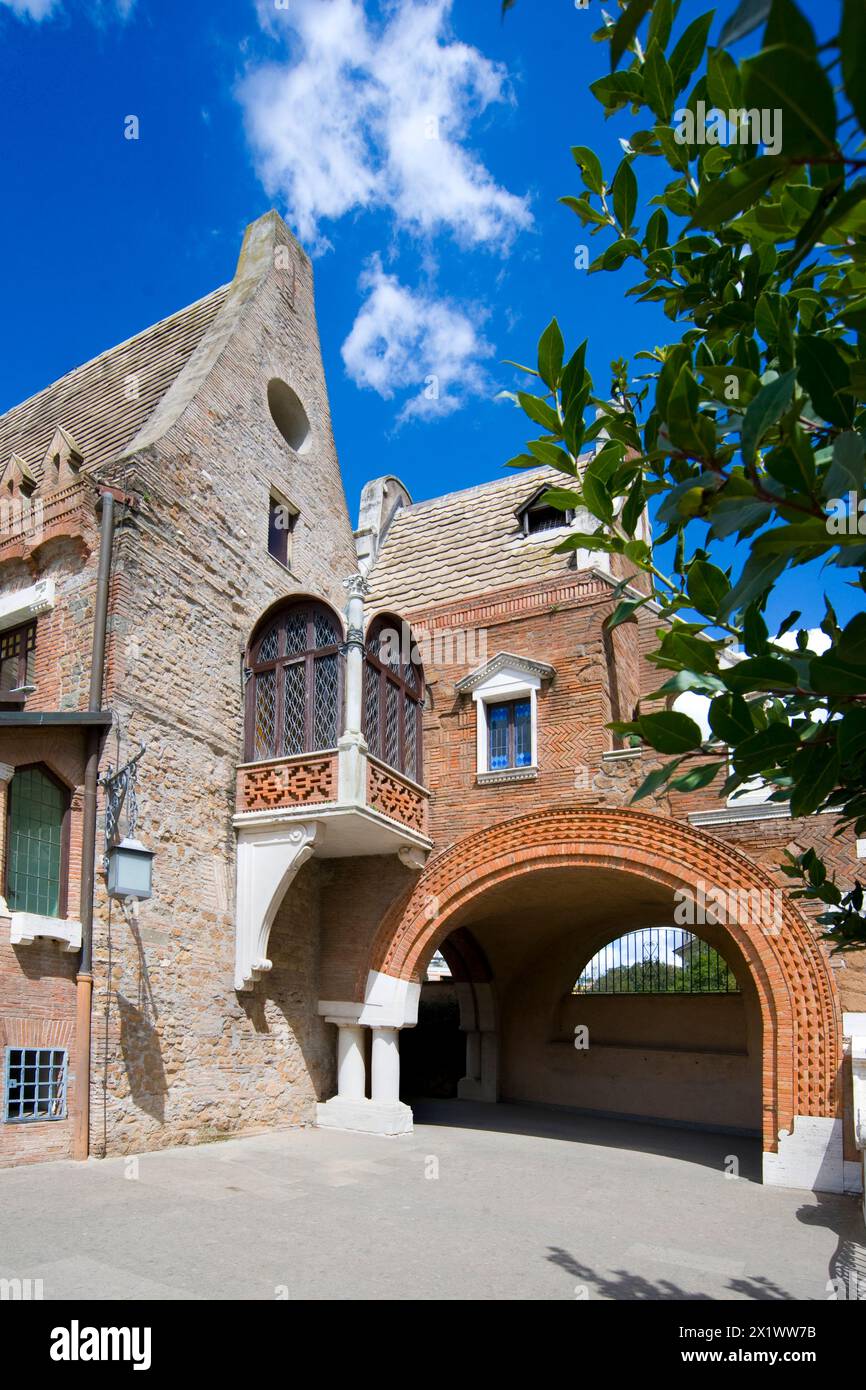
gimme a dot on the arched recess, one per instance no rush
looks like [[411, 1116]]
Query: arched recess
[[800, 1009]]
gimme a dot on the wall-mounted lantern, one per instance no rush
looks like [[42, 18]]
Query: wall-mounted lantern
[[130, 870], [128, 863]]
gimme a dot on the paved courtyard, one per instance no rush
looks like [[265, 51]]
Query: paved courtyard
[[481, 1202]]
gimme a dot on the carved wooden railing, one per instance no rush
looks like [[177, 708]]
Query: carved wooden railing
[[396, 796], [305, 780], [312, 779]]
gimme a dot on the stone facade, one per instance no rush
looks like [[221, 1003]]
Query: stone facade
[[194, 456]]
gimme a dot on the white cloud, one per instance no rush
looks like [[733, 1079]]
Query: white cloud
[[31, 9], [367, 116], [404, 340], [44, 9]]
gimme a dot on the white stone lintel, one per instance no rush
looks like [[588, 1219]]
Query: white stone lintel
[[388, 1003], [26, 927]]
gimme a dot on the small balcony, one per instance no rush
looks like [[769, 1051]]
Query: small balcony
[[311, 682], [389, 814]]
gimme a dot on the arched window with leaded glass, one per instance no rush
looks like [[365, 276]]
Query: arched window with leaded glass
[[295, 684], [393, 696]]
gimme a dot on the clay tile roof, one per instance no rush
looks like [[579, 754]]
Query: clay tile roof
[[467, 542], [92, 403]]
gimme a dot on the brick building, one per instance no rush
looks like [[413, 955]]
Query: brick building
[[361, 746]]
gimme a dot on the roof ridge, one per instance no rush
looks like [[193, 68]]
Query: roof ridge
[[115, 347], [479, 487]]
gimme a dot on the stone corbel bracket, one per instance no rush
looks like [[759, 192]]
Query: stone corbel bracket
[[269, 857], [25, 927]]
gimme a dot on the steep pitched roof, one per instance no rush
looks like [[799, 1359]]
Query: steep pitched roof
[[467, 542], [98, 402]]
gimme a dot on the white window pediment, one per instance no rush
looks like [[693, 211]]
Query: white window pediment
[[503, 671]]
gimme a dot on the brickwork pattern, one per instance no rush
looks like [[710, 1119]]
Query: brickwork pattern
[[799, 1002]]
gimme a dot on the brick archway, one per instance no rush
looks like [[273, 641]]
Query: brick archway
[[800, 1010]]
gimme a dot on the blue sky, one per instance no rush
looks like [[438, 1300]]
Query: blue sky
[[452, 250]]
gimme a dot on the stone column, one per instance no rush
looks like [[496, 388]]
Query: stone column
[[386, 1066], [473, 1055], [357, 587], [351, 1067], [7, 772], [352, 746]]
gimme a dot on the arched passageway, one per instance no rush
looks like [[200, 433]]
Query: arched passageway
[[540, 893]]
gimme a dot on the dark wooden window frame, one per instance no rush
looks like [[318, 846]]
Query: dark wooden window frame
[[27, 632], [309, 656], [511, 706], [374, 669], [65, 827]]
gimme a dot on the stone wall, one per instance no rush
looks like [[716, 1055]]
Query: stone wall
[[179, 1056]]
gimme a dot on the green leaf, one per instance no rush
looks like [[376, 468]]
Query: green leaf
[[696, 777], [589, 165], [851, 737], [596, 495], [851, 646], [656, 779], [765, 410], [767, 749], [624, 189], [624, 612], [759, 574], [823, 373], [847, 472], [816, 770], [761, 673], [551, 349], [707, 586], [723, 81], [852, 41], [787, 24], [658, 83], [669, 731], [785, 79], [746, 17], [539, 411], [626, 27], [722, 199], [688, 50], [573, 377], [831, 675], [618, 90], [730, 719]]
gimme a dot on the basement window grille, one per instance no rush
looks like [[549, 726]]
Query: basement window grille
[[657, 960], [35, 1084]]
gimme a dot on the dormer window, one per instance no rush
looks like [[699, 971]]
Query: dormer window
[[537, 516]]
